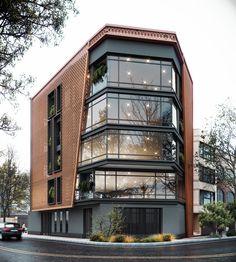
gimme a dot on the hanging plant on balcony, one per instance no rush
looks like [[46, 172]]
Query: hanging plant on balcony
[[84, 186], [99, 73]]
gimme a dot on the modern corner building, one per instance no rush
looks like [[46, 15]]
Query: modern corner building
[[114, 128]]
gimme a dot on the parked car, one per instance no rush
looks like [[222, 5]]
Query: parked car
[[8, 230]]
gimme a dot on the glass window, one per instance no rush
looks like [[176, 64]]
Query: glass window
[[160, 186], [170, 184], [112, 142], [51, 191], [112, 71], [110, 186], [59, 98], [166, 74], [51, 104], [99, 77], [135, 74], [206, 197], [99, 113], [206, 151], [173, 80], [112, 108], [229, 197], [220, 195], [99, 147], [174, 116], [86, 150], [89, 119], [166, 114], [100, 185], [206, 174], [59, 189]]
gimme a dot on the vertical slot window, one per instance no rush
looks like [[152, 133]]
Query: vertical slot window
[[67, 221], [59, 189], [57, 143], [51, 104], [59, 98], [51, 191], [49, 147]]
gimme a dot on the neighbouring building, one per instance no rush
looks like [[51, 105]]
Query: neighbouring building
[[114, 128], [205, 186]]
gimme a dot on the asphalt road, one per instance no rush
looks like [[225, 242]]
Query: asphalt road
[[32, 250]]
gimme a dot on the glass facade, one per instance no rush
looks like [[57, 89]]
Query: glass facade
[[206, 197], [135, 126], [133, 72], [132, 184], [136, 110], [125, 144]]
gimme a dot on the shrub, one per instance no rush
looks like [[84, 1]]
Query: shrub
[[167, 237], [98, 237], [158, 237], [231, 233], [130, 239], [119, 238]]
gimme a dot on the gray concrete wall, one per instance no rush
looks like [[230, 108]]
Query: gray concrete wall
[[34, 222], [173, 216], [75, 221]]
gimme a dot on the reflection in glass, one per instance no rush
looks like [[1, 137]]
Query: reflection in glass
[[99, 113], [135, 185]]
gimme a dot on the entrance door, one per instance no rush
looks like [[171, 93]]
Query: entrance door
[[87, 219], [46, 223], [142, 221]]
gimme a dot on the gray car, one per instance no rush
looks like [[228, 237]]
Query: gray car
[[8, 230]]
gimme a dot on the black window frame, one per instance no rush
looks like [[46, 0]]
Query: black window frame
[[202, 198]]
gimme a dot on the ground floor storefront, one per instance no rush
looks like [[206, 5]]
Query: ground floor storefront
[[139, 219]]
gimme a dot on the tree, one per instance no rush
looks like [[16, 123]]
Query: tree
[[221, 137], [111, 223], [22, 22], [14, 186], [216, 215]]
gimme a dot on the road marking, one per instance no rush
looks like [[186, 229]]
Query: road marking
[[24, 252]]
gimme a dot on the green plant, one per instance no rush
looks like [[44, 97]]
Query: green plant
[[119, 238], [167, 237], [51, 192], [231, 233], [215, 214], [99, 73], [59, 160], [99, 237], [52, 110], [84, 186], [111, 223]]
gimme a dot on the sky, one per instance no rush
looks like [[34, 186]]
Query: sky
[[206, 30]]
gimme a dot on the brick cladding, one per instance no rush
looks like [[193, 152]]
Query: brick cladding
[[72, 77]]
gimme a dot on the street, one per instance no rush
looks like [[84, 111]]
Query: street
[[34, 250]]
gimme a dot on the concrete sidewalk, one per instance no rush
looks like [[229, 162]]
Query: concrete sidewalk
[[86, 241]]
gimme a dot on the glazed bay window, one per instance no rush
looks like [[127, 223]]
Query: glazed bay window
[[131, 110], [124, 144], [134, 185], [133, 72]]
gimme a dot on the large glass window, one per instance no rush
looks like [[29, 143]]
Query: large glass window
[[127, 184], [124, 144], [131, 72], [131, 110]]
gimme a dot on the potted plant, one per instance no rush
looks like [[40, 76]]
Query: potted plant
[[99, 73]]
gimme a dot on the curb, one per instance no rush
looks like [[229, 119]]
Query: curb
[[93, 243]]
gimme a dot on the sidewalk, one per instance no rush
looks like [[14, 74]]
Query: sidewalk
[[86, 241]]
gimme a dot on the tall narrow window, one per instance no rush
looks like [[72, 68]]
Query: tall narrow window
[[61, 218], [67, 221], [51, 104], [59, 98], [50, 147], [59, 189], [57, 143], [51, 191], [55, 222]]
